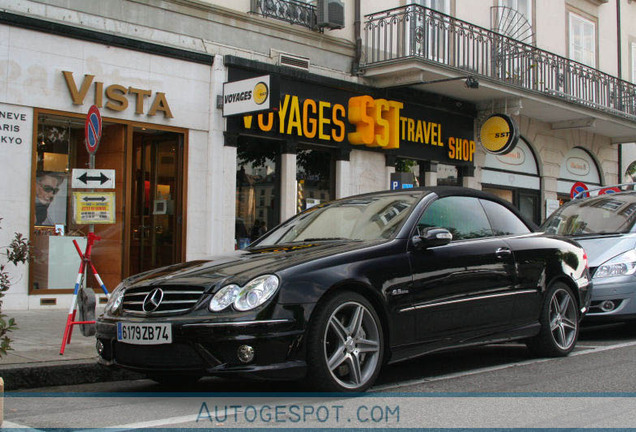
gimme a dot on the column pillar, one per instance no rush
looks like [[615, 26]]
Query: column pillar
[[467, 177], [428, 173], [288, 185], [343, 174]]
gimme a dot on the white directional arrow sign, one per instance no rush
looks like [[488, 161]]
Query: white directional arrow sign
[[93, 179]]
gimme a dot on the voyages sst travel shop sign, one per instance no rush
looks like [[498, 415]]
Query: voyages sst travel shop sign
[[318, 114]]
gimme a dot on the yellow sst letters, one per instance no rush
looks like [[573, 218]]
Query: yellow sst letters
[[377, 122]]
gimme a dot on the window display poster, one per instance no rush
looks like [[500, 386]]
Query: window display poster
[[50, 198]]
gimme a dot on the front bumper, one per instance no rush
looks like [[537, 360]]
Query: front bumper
[[209, 347], [613, 298]]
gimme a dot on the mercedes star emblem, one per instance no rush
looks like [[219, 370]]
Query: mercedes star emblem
[[153, 300]]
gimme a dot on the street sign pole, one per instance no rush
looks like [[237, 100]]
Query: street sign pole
[[92, 136], [91, 165]]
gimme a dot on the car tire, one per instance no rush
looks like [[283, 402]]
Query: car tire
[[345, 344], [559, 323]]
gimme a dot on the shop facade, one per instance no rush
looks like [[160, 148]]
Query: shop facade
[[155, 106], [326, 139], [191, 183]]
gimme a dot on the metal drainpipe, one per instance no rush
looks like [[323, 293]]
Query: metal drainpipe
[[618, 39], [357, 30]]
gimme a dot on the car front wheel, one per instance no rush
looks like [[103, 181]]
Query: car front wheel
[[345, 344], [559, 323]]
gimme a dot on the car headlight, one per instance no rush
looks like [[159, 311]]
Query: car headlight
[[115, 301], [253, 294], [621, 265]]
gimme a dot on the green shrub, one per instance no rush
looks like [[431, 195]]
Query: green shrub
[[18, 252]]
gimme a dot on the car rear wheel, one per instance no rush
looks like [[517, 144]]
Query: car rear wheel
[[345, 344], [559, 323]]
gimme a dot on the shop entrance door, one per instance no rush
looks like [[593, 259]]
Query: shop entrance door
[[156, 216]]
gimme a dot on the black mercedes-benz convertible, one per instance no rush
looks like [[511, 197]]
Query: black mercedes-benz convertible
[[344, 287]]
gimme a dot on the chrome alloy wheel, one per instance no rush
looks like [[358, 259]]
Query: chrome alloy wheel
[[352, 345], [563, 319]]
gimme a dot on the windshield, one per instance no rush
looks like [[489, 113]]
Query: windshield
[[604, 214], [361, 218]]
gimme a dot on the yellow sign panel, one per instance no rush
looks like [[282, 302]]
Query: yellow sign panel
[[499, 134], [94, 208]]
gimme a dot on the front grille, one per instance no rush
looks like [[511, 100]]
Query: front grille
[[176, 299]]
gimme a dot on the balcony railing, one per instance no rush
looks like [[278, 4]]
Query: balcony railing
[[293, 12], [417, 32]]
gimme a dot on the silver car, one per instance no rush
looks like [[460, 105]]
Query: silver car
[[604, 226]]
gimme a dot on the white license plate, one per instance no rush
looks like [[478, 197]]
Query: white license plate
[[144, 333]]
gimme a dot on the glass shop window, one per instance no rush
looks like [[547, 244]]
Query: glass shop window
[[315, 177], [447, 175], [60, 148], [257, 190]]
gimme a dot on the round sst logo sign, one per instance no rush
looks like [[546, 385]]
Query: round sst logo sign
[[499, 134], [261, 91], [578, 188]]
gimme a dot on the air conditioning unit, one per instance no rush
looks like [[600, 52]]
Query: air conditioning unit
[[331, 14]]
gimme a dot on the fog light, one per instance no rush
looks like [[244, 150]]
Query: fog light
[[608, 306], [245, 353], [100, 347]]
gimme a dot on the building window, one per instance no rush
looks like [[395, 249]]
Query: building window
[[428, 37], [59, 149], [315, 176], [442, 6], [524, 7], [257, 176], [447, 175], [582, 39], [514, 19]]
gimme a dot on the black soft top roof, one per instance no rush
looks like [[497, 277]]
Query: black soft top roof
[[444, 191]]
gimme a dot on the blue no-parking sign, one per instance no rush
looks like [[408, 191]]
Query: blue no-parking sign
[[577, 190], [93, 129]]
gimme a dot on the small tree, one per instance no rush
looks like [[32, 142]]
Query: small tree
[[17, 252]]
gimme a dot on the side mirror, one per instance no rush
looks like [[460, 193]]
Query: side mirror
[[431, 237]]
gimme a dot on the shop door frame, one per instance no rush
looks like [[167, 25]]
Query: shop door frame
[[181, 203]]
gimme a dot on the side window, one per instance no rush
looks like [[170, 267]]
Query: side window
[[503, 221], [464, 217]]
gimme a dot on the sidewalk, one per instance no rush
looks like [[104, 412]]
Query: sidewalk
[[35, 360]]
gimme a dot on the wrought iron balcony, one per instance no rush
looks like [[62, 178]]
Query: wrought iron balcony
[[417, 32], [294, 12]]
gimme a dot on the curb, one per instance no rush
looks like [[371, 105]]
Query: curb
[[46, 374]]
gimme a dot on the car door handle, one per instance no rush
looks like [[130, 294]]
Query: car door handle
[[503, 252]]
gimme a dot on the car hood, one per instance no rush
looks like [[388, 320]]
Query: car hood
[[243, 265], [599, 249]]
